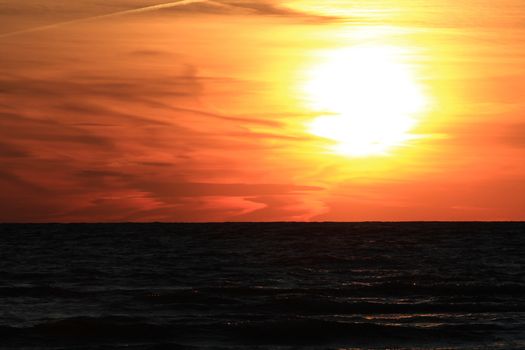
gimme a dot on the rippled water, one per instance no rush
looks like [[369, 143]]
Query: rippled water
[[275, 285]]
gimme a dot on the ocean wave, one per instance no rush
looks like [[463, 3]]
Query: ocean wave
[[302, 305], [40, 292], [252, 286], [392, 288], [189, 296], [314, 331], [227, 294], [284, 331], [104, 327]]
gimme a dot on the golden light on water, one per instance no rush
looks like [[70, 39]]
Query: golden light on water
[[371, 99]]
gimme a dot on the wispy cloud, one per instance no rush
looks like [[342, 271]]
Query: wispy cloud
[[184, 6], [112, 142], [104, 16]]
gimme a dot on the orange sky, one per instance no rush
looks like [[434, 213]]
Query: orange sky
[[253, 110]]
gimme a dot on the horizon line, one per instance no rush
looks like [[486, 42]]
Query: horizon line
[[259, 222]]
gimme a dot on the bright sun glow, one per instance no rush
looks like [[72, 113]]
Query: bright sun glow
[[371, 99]]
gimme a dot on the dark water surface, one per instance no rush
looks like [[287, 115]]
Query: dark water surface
[[264, 286]]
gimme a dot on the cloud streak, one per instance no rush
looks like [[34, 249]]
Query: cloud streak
[[246, 8], [105, 16], [133, 133], [195, 112]]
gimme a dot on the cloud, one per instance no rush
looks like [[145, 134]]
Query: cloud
[[283, 208], [247, 8], [109, 85], [107, 116], [185, 201], [466, 197], [169, 190], [11, 151], [142, 9], [17, 181], [514, 135], [99, 162], [201, 209], [47, 131], [149, 53], [273, 8], [96, 13], [215, 115], [120, 128]]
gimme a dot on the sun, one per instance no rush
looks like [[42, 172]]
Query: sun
[[370, 100]]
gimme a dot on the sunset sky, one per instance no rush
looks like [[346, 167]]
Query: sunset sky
[[254, 110]]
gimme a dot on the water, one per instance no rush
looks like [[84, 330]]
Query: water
[[264, 286]]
